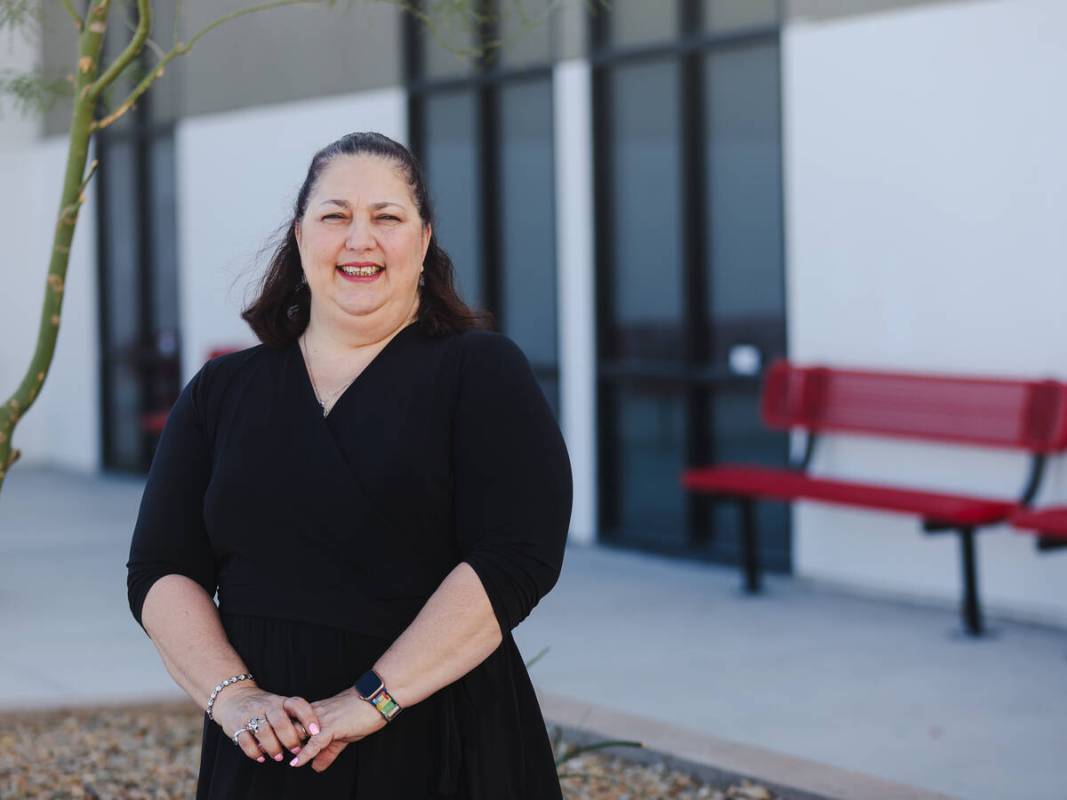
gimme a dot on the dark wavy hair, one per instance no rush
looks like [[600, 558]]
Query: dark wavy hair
[[281, 311]]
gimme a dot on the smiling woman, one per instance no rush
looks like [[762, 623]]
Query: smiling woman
[[379, 494]]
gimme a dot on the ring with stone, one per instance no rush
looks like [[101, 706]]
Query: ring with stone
[[255, 724], [239, 732]]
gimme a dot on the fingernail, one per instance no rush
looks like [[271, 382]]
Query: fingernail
[[314, 729], [261, 759], [293, 762], [278, 757], [295, 750]]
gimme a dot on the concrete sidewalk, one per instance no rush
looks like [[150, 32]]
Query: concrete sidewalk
[[868, 686]]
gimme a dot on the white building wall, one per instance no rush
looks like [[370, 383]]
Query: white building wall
[[925, 192], [238, 175], [573, 93], [62, 427]]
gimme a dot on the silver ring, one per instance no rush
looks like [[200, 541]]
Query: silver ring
[[236, 735], [255, 724], [300, 730]]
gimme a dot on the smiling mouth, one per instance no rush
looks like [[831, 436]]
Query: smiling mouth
[[364, 272]]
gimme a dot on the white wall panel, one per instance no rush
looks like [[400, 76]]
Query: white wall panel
[[62, 427], [925, 195]]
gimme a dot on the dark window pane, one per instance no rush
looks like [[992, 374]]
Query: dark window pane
[[747, 303], [525, 32], [740, 436], [124, 401], [528, 237], [634, 22], [728, 15], [452, 167], [164, 263], [121, 224], [647, 228], [652, 431]]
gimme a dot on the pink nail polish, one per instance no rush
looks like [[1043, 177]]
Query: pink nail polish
[[261, 759], [293, 762], [314, 729], [295, 750], [278, 757]]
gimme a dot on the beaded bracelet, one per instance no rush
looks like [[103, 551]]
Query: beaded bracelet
[[215, 693]]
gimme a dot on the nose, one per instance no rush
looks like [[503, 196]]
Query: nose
[[360, 236]]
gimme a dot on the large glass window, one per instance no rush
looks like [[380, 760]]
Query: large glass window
[[483, 130], [690, 266], [138, 276]]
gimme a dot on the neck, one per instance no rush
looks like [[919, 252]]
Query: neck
[[340, 341]]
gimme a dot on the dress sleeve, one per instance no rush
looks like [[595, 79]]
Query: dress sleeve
[[170, 536], [513, 486]]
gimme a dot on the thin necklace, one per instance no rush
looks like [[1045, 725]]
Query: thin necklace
[[305, 347], [314, 387]]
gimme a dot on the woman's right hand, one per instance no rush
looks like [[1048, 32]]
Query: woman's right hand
[[236, 705]]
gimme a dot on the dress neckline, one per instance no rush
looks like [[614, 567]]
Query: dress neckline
[[306, 371]]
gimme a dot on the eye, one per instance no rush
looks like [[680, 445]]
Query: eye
[[389, 216], [333, 216]]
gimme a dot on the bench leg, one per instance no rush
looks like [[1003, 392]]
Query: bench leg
[[750, 545], [972, 612]]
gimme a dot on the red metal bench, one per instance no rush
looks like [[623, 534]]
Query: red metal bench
[[1015, 414], [1050, 525]]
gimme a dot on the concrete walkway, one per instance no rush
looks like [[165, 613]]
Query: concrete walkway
[[868, 686]]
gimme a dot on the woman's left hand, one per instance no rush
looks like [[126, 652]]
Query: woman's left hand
[[343, 719]]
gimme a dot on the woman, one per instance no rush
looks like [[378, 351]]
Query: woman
[[379, 493]]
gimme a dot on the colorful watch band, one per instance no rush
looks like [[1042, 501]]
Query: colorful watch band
[[372, 689]]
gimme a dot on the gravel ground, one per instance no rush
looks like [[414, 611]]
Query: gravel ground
[[113, 754]]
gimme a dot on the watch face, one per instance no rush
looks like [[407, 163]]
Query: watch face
[[368, 684]]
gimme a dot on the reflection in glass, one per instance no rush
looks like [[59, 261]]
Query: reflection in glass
[[728, 15], [647, 227], [747, 295], [121, 240], [651, 441], [739, 436], [449, 43], [526, 32], [633, 22], [452, 171], [528, 239], [164, 263]]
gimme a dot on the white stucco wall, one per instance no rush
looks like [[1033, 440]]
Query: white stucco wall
[[62, 427], [238, 175], [19, 52], [925, 195]]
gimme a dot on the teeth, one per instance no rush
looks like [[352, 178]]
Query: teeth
[[361, 270]]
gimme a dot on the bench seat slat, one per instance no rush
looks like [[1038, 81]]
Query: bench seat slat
[[1051, 522], [782, 484]]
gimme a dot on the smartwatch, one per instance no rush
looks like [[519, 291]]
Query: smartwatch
[[370, 688]]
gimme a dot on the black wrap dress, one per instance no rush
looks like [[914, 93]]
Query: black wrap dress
[[324, 537]]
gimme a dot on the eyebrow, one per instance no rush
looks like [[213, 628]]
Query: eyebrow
[[374, 206]]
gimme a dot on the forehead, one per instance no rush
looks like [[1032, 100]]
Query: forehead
[[362, 179]]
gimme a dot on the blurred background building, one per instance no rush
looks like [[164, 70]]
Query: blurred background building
[[656, 200]]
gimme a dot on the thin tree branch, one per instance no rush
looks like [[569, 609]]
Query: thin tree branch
[[180, 49], [79, 23], [133, 49]]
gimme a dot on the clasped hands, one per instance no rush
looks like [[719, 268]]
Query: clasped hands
[[331, 724]]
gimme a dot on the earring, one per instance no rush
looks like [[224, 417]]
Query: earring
[[422, 279], [303, 279]]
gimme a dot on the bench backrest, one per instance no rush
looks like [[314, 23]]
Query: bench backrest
[[1029, 415]]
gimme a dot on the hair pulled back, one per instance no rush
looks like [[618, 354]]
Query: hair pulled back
[[281, 311]]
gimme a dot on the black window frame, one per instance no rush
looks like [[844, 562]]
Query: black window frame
[[486, 79], [695, 375]]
